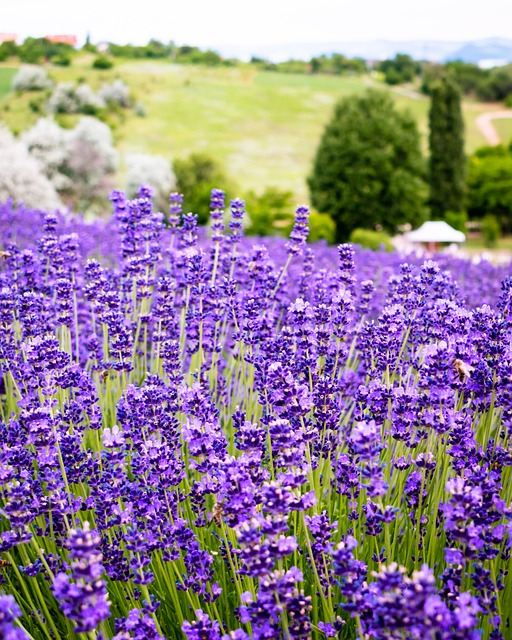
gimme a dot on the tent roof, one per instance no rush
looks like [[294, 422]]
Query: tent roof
[[436, 231]]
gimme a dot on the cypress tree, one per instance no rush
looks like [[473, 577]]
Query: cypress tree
[[447, 159]]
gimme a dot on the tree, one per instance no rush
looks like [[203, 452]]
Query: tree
[[196, 176], [368, 170], [490, 185], [447, 159], [401, 69]]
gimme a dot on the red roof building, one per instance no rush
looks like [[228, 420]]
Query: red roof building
[[64, 39], [8, 37]]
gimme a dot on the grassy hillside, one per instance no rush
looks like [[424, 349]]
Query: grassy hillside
[[263, 126], [6, 76]]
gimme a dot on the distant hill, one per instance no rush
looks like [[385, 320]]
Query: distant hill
[[484, 52], [477, 51]]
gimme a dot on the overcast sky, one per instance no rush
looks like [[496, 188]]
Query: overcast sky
[[226, 22]]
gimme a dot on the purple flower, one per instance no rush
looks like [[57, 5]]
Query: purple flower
[[9, 611], [83, 595], [217, 214], [138, 625], [202, 628], [299, 233], [235, 224]]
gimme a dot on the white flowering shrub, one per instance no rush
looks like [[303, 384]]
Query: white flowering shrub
[[92, 160], [79, 162], [97, 135], [31, 77], [66, 98], [21, 176], [63, 99], [153, 170], [87, 98], [116, 92], [49, 145]]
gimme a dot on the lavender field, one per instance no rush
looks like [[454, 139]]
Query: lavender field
[[207, 436]]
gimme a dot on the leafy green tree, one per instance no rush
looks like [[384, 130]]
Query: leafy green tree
[[489, 185], [368, 170], [196, 176], [497, 86], [470, 76], [157, 49], [402, 68], [446, 141], [8, 49]]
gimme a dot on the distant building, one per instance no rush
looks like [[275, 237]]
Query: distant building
[[8, 37], [64, 39]]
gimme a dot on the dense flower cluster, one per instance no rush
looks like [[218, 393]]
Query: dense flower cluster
[[215, 438]]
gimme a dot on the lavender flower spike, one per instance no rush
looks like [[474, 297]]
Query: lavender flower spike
[[83, 596], [300, 231], [9, 611]]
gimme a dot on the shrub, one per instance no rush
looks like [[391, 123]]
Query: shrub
[[321, 227], [91, 162], [102, 62], [31, 78], [370, 239], [21, 176], [88, 100], [67, 98], [196, 176], [140, 110], [154, 170], [35, 106], [491, 231], [270, 213], [62, 59], [63, 99], [78, 162], [49, 145], [116, 92]]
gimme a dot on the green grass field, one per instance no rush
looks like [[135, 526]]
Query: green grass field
[[263, 126], [6, 76]]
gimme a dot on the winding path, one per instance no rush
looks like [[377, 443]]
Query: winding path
[[484, 123]]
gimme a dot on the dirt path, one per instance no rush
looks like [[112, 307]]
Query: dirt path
[[484, 123]]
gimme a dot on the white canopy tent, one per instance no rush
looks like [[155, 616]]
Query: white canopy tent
[[434, 232]]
